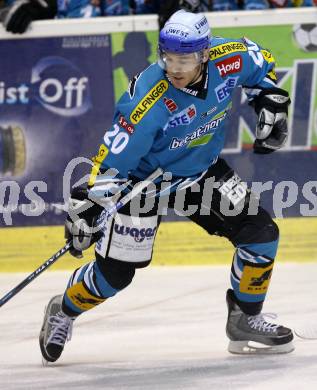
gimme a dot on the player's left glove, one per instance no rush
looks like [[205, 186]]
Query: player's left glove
[[271, 105]]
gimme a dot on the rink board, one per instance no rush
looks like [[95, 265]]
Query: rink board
[[177, 243], [61, 95]]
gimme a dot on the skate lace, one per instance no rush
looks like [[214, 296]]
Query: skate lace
[[61, 331], [260, 322]]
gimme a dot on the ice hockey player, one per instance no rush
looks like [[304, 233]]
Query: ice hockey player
[[172, 116]]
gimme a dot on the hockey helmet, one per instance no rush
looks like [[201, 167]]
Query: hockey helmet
[[183, 35]]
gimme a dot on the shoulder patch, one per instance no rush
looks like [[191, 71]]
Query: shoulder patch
[[267, 56], [148, 101], [225, 49]]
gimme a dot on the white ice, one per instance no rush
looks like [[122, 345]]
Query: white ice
[[166, 331]]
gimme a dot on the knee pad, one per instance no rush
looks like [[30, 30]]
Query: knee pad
[[117, 273], [258, 228]]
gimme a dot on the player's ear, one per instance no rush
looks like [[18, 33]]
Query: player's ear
[[205, 55]]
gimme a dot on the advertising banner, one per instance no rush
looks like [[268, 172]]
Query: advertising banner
[[288, 176], [57, 97], [56, 100]]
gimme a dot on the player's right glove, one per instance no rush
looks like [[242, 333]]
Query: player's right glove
[[271, 105], [85, 207], [80, 224], [22, 12]]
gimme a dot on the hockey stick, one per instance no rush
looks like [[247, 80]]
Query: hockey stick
[[137, 189], [35, 274]]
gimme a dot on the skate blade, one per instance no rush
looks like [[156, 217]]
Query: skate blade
[[253, 348], [45, 363]]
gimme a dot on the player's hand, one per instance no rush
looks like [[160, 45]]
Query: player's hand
[[22, 12], [271, 129], [82, 236], [81, 222]]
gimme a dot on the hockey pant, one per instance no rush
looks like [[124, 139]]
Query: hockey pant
[[221, 204]]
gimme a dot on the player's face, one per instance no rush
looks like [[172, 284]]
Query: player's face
[[182, 69]]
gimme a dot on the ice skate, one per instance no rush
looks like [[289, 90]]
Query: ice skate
[[55, 331], [253, 334]]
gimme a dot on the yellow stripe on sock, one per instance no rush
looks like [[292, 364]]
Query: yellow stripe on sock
[[82, 298]]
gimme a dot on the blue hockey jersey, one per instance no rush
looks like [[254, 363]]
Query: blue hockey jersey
[[156, 124]]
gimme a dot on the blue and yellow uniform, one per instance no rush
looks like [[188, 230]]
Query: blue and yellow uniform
[[182, 131]]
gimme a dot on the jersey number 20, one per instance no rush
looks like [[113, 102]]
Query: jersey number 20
[[116, 141]]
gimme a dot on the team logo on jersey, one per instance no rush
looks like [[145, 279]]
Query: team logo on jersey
[[225, 49], [132, 85], [185, 117], [170, 104], [223, 90], [127, 126], [148, 101], [229, 65], [200, 136]]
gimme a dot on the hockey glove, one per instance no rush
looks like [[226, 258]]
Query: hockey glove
[[166, 10], [80, 225], [271, 130], [189, 5], [22, 12]]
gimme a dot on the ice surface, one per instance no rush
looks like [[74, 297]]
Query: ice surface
[[166, 331]]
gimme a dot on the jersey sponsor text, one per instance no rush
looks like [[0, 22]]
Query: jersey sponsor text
[[223, 90], [126, 125], [148, 101], [225, 49], [199, 137], [185, 117], [229, 65]]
